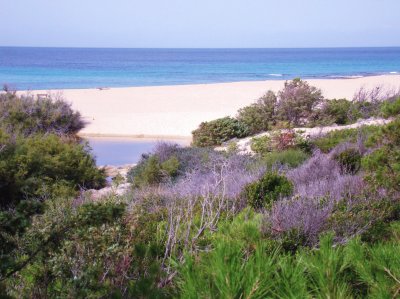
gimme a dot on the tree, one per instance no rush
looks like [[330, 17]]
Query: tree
[[297, 100], [261, 115]]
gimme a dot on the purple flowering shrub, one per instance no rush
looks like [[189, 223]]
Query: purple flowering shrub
[[208, 188], [325, 199], [321, 176]]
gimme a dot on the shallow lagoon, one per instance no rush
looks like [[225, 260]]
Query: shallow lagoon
[[121, 151]]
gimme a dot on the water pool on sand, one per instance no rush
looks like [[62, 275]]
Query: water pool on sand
[[121, 151]]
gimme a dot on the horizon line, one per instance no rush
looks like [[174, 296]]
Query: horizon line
[[199, 48]]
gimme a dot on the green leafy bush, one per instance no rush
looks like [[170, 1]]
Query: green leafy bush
[[369, 217], [391, 108], [349, 161], [268, 189], [279, 141], [383, 164], [217, 131], [338, 110], [29, 115], [151, 171], [333, 112], [87, 250], [259, 116], [327, 142], [38, 166], [290, 157], [171, 166], [261, 145], [148, 172]]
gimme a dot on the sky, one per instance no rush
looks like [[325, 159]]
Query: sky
[[200, 23]]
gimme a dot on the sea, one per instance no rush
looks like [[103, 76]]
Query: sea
[[25, 68]]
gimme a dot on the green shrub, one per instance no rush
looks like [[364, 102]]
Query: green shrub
[[353, 270], [13, 223], [391, 108], [261, 145], [38, 166], [290, 157], [383, 168], [279, 141], [349, 161], [268, 189], [383, 164], [333, 112], [150, 171], [385, 223], [240, 265], [29, 115], [372, 215], [217, 131], [89, 250], [327, 270], [327, 142], [146, 173], [338, 110], [376, 268], [232, 148], [259, 116], [171, 166]]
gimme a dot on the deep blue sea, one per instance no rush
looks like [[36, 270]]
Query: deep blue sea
[[59, 68]]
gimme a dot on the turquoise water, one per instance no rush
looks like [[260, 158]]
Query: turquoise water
[[52, 68]]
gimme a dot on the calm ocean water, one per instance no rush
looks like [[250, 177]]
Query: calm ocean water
[[52, 68]]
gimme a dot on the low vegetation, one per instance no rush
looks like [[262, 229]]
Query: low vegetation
[[27, 115], [300, 218], [217, 131], [41, 160], [298, 104]]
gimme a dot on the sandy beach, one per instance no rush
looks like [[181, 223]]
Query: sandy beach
[[174, 111]]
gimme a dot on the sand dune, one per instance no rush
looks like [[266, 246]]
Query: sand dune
[[174, 111]]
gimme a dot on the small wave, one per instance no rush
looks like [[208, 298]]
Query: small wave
[[275, 75], [346, 77], [393, 72]]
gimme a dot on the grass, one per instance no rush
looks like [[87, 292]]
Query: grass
[[290, 157], [334, 138], [255, 269]]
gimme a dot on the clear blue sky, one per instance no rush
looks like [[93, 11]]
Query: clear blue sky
[[199, 23]]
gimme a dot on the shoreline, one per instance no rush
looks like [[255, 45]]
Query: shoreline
[[277, 78], [174, 111], [182, 140]]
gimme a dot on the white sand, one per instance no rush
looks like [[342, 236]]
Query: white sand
[[174, 111]]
